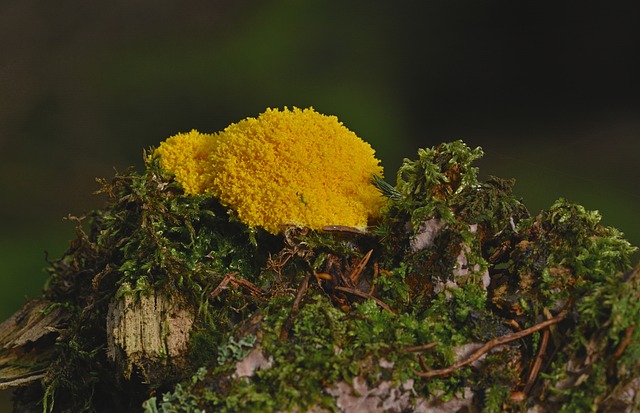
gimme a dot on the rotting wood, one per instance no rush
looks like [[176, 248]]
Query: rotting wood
[[25, 342], [147, 332]]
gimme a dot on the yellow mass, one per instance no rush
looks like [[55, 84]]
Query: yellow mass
[[289, 167]]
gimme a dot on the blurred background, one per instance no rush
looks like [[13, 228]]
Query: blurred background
[[551, 92]]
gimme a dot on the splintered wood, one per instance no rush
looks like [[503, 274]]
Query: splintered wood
[[147, 333], [26, 342]]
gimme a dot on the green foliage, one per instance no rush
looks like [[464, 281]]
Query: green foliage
[[177, 241], [427, 184], [150, 236], [454, 263], [494, 398], [393, 287], [386, 189]]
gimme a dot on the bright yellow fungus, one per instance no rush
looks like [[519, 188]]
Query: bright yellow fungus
[[290, 167], [186, 155]]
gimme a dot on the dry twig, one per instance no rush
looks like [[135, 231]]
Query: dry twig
[[303, 288], [535, 367], [494, 343], [422, 347], [355, 274], [230, 278], [628, 336], [295, 307], [362, 294], [376, 271], [223, 284]]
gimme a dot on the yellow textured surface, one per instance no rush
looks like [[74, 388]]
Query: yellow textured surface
[[186, 155], [289, 167]]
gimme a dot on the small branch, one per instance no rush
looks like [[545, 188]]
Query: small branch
[[223, 284], [494, 343], [253, 290], [303, 288], [376, 271], [423, 363], [628, 336], [535, 367], [295, 307], [355, 274], [422, 347], [362, 294]]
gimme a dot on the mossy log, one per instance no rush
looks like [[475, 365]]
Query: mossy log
[[150, 335], [457, 299]]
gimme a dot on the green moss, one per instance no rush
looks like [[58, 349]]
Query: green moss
[[453, 263]]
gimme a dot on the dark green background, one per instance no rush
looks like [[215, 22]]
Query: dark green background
[[550, 91], [551, 94]]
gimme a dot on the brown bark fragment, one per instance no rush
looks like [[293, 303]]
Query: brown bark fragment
[[147, 333], [26, 342]]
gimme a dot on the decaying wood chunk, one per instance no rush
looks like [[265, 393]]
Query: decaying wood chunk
[[27, 342], [147, 333]]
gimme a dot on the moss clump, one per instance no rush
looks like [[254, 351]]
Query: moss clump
[[150, 237], [458, 297]]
